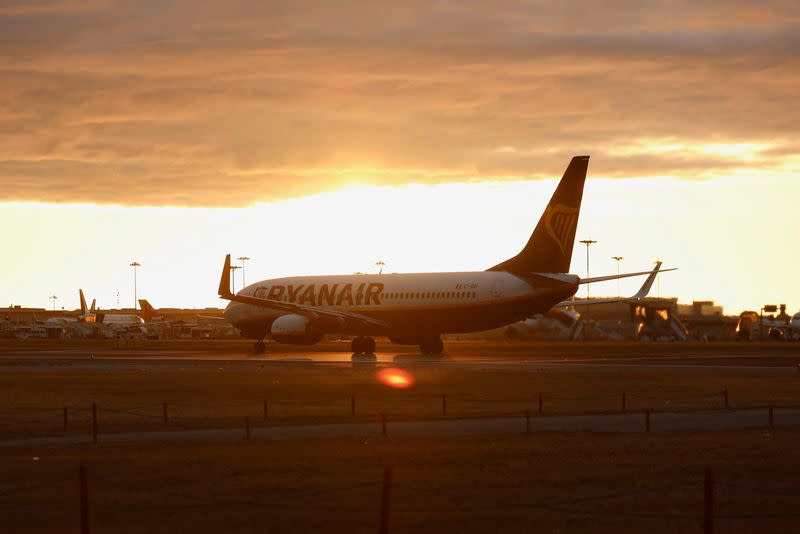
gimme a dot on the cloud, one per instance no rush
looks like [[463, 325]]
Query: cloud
[[235, 103]]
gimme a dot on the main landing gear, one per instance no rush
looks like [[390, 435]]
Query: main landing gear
[[363, 348], [431, 347], [259, 347]]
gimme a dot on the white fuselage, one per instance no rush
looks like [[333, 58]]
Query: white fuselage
[[435, 302]]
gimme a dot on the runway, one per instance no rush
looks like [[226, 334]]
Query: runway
[[108, 359]]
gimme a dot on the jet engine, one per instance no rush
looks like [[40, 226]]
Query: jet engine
[[295, 329]]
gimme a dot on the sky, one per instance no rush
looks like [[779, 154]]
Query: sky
[[320, 137]]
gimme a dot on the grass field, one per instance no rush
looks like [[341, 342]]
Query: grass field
[[220, 394], [551, 482]]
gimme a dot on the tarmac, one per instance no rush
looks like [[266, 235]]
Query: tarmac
[[108, 359]]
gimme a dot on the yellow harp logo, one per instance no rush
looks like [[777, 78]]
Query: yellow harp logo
[[560, 222]]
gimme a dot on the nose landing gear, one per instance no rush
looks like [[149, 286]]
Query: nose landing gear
[[363, 348], [431, 347]]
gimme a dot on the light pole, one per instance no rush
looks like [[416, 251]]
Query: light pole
[[243, 259], [53, 298], [619, 259], [587, 242], [135, 265], [380, 264], [233, 276]]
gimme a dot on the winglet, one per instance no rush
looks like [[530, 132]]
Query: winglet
[[645, 289], [224, 290]]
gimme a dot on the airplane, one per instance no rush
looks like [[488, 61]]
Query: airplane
[[113, 323], [151, 315], [417, 308], [752, 326], [555, 324]]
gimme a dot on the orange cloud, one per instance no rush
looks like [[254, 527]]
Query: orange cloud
[[229, 104]]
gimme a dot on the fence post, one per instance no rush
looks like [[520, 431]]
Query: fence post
[[647, 420], [353, 405], [771, 417], [83, 476], [165, 413], [383, 424], [708, 502], [65, 417], [94, 422], [444, 404], [386, 499], [247, 428], [624, 403], [725, 395], [527, 421], [540, 404]]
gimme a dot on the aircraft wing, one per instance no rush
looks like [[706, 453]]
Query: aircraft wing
[[300, 309], [211, 318], [642, 293]]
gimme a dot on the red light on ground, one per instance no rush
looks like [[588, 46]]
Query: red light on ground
[[396, 378]]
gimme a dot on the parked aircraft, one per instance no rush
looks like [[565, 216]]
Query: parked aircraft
[[112, 324], [416, 309], [752, 326]]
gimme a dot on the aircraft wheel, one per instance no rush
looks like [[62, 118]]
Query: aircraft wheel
[[433, 347], [369, 345], [357, 346]]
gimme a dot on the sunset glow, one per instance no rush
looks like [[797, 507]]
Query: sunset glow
[[319, 139]]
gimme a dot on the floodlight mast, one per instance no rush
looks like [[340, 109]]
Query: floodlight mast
[[233, 277], [587, 242], [243, 259], [135, 265], [619, 259]]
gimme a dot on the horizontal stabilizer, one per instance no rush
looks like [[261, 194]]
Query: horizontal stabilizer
[[571, 278], [642, 293]]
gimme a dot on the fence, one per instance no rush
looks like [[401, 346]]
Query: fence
[[96, 418], [380, 494]]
